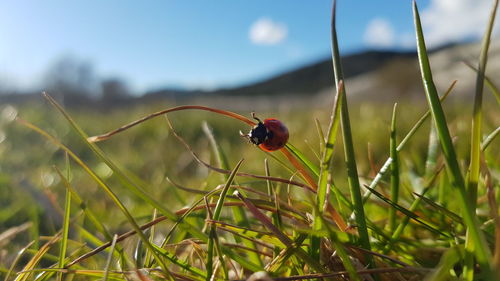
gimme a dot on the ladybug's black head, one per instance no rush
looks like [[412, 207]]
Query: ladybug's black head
[[258, 134]]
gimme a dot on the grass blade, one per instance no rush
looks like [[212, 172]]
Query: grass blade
[[340, 274], [341, 251], [493, 204], [300, 168], [280, 235], [487, 141], [446, 264], [321, 135], [26, 271], [96, 274], [385, 168], [273, 194], [350, 159], [409, 214], [16, 260], [221, 158], [102, 185], [216, 215], [494, 89], [440, 209], [394, 171], [238, 212], [184, 265], [337, 218], [66, 218], [88, 213], [399, 230], [481, 249], [303, 159], [265, 237], [326, 161], [124, 179], [279, 261], [107, 135], [110, 257], [475, 151], [325, 177]]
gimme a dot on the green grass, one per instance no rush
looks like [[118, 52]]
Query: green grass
[[173, 199]]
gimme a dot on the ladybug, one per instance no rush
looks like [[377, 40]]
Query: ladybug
[[269, 135]]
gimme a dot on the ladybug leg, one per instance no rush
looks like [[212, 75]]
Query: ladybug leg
[[249, 135], [243, 134], [246, 136]]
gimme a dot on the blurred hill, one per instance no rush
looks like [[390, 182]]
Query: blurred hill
[[383, 76], [307, 79]]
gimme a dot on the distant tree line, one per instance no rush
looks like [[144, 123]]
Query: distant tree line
[[74, 81]]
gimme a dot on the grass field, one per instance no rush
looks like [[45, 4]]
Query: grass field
[[72, 209]]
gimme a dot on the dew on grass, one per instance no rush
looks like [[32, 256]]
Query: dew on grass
[[3, 136], [103, 170], [8, 114], [47, 179]]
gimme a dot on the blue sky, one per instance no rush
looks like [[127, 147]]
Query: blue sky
[[209, 44]]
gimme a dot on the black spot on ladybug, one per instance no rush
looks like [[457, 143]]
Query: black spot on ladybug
[[269, 134]]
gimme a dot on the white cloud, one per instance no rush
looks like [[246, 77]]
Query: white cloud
[[379, 33], [267, 32], [455, 20]]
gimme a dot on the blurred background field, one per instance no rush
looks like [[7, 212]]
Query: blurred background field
[[32, 191], [298, 92]]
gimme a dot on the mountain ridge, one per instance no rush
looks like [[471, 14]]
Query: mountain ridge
[[310, 78]]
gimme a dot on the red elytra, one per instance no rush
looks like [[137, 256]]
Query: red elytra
[[269, 135]]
